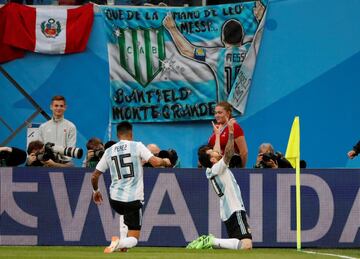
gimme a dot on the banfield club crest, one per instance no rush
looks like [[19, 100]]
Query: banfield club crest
[[141, 51], [51, 28]]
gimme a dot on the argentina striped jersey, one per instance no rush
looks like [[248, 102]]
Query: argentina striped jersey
[[226, 187], [124, 159]]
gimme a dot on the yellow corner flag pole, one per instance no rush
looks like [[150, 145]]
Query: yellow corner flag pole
[[293, 155]]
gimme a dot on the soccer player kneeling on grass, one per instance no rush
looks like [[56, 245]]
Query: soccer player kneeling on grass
[[127, 185], [232, 209]]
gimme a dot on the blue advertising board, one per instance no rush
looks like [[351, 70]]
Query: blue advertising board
[[54, 207]]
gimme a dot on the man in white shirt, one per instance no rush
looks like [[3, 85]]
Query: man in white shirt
[[127, 186], [59, 131]]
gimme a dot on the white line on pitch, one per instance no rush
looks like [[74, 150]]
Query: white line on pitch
[[340, 256]]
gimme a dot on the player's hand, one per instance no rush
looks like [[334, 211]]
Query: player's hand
[[216, 128], [167, 162], [230, 124], [97, 197]]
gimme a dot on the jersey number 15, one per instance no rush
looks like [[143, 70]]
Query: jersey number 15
[[121, 165]]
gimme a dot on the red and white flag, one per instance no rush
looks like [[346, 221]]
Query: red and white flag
[[7, 53], [49, 30]]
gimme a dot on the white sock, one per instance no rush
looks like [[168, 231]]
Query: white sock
[[127, 242], [123, 228], [227, 243]]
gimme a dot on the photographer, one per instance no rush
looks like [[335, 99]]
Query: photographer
[[95, 151], [44, 155], [268, 158], [11, 156]]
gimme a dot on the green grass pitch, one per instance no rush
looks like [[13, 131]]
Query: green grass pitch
[[29, 252]]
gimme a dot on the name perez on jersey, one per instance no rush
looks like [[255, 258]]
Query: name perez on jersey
[[121, 148]]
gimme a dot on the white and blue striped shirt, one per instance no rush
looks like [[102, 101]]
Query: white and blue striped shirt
[[125, 162], [226, 187]]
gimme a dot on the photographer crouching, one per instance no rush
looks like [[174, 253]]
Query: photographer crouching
[[95, 150], [50, 155], [268, 158]]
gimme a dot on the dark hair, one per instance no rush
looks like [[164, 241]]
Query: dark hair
[[58, 98], [233, 32], [109, 144], [93, 143], [171, 154], [124, 127], [204, 158], [34, 145], [203, 148]]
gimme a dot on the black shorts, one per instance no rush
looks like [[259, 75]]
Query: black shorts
[[132, 212], [237, 226]]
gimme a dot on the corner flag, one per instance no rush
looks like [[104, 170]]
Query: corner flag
[[293, 147], [293, 155]]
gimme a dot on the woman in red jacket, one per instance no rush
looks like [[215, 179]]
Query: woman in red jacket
[[223, 112]]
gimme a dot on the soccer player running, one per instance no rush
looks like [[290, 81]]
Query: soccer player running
[[127, 186], [232, 209]]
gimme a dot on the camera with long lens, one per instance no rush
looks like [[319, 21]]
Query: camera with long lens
[[51, 151]]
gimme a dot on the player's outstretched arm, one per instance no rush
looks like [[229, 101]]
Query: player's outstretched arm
[[159, 162], [184, 46], [229, 149], [217, 146]]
